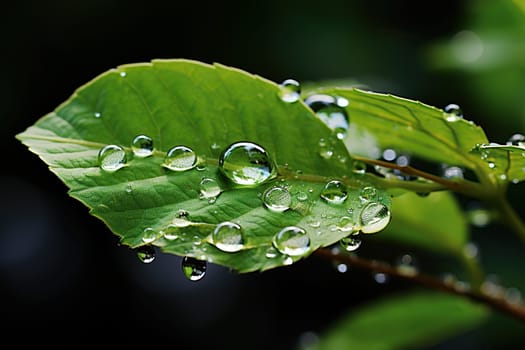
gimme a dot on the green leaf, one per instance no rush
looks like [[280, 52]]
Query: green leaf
[[506, 162], [435, 223], [205, 108], [410, 321]]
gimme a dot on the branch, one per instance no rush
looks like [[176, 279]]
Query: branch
[[516, 310]]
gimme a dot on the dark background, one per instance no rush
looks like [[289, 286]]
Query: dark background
[[63, 272]]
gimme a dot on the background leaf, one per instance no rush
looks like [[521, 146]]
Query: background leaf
[[206, 108], [413, 320]]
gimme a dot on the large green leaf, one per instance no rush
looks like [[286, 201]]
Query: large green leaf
[[410, 321], [206, 108]]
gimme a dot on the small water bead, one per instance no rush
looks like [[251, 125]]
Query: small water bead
[[277, 199], [292, 240], [228, 237], [180, 158], [345, 224], [334, 192], [112, 158], [389, 155], [326, 150], [290, 91], [123, 74], [301, 196], [246, 163], [406, 265], [288, 260], [516, 140], [209, 189], [341, 267], [142, 146], [171, 232], [331, 111], [149, 235], [129, 188], [98, 114], [381, 278], [453, 112], [368, 193], [271, 253], [193, 268], [359, 167], [350, 243], [181, 219], [453, 172], [374, 217], [146, 253]]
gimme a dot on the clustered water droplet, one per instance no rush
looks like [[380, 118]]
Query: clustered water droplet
[[246, 164]]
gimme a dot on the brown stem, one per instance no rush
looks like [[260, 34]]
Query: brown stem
[[512, 309]]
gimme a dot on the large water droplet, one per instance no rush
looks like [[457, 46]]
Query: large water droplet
[[350, 243], [374, 217], [145, 253], [292, 241], [180, 158], [210, 189], [112, 158], [228, 237], [334, 192], [142, 146], [277, 199], [516, 140], [290, 90], [246, 163], [331, 111], [453, 112], [193, 269]]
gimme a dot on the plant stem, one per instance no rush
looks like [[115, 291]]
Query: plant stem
[[509, 217], [516, 310]]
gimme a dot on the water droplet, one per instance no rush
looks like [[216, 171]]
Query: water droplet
[[209, 189], [516, 140], [380, 278], [406, 265], [513, 296], [149, 235], [171, 232], [123, 74], [301, 196], [193, 269], [290, 90], [350, 243], [129, 188], [453, 112], [345, 224], [374, 217], [277, 199], [142, 146], [341, 267], [479, 217], [331, 111], [112, 158], [292, 240], [228, 237], [334, 192], [471, 250], [146, 253], [246, 163], [98, 114], [181, 219], [389, 155], [368, 193], [271, 253], [359, 167], [180, 158], [491, 165], [288, 260], [453, 172]]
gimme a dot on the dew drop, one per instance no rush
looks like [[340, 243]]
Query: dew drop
[[123, 74], [453, 172], [228, 237], [359, 167], [334, 192], [350, 243], [98, 115], [331, 111], [374, 217], [288, 260], [277, 199], [112, 158], [341, 267], [180, 158], [380, 278], [142, 146], [301, 196], [171, 232], [516, 140], [406, 265], [181, 219], [290, 90], [209, 189], [345, 224], [129, 188], [368, 193], [326, 150], [246, 163], [146, 254], [292, 240], [453, 112], [149, 235], [271, 253], [389, 155], [193, 269]]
